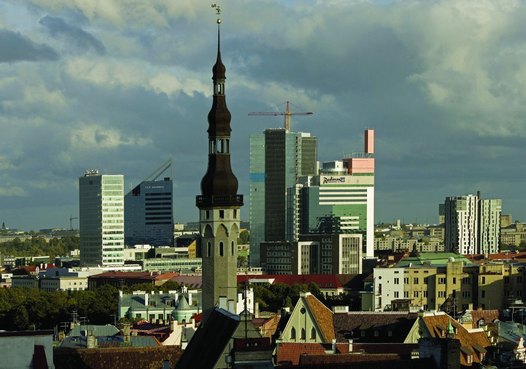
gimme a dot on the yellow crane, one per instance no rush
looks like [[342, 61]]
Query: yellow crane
[[287, 113]]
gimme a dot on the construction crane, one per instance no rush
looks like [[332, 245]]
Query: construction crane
[[287, 113], [159, 171]]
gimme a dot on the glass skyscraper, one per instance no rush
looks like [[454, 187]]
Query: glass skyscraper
[[148, 213], [277, 159]]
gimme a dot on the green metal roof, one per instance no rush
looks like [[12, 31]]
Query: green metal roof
[[432, 259]]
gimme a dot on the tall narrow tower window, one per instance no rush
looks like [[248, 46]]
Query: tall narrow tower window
[[209, 249], [221, 249], [232, 248]]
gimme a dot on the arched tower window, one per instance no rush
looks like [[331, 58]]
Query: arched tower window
[[303, 333], [209, 249], [293, 333], [313, 334], [232, 249], [221, 249]]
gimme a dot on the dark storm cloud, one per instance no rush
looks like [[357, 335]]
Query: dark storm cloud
[[16, 47], [77, 36]]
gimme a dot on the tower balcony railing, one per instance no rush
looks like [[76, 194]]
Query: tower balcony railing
[[204, 201]]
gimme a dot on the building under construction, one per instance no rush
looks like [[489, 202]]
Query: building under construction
[[149, 210]]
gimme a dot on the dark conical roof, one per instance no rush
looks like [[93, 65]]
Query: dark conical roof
[[218, 69]]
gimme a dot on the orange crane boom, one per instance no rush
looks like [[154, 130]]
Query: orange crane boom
[[287, 113]]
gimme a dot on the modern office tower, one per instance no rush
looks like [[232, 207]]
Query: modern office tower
[[288, 156], [101, 210], [277, 159], [257, 196], [341, 199], [219, 202], [148, 211], [472, 225]]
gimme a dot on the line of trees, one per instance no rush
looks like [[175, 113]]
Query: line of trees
[[38, 246], [32, 308]]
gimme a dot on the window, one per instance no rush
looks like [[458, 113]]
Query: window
[[506, 279], [396, 294], [303, 333], [519, 279], [221, 250], [406, 280], [425, 293], [483, 293], [483, 280], [209, 246], [232, 248], [415, 280], [441, 293], [441, 280], [312, 334], [406, 294], [293, 333], [235, 213], [415, 294], [221, 214], [207, 214], [454, 280], [397, 281]]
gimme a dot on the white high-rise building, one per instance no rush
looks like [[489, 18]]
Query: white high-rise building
[[101, 221], [472, 225]]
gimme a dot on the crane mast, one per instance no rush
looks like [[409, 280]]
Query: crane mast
[[287, 114]]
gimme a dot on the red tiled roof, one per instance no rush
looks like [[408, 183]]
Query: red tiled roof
[[135, 275], [498, 256], [489, 316], [297, 353], [323, 317], [469, 342]]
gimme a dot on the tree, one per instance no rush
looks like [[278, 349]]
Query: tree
[[244, 237]]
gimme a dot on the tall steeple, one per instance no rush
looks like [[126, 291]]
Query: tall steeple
[[219, 202]]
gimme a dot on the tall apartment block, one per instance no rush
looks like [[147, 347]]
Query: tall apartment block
[[101, 219], [148, 213], [472, 224], [277, 159]]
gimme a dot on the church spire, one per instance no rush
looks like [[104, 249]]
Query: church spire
[[219, 203], [219, 180]]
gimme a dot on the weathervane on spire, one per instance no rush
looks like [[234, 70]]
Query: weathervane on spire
[[217, 7]]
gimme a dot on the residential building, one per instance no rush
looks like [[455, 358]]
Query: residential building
[[513, 235], [500, 284], [148, 213], [101, 210], [472, 224]]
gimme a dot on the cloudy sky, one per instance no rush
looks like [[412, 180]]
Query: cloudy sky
[[123, 85]]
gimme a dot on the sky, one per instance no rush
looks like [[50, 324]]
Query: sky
[[123, 85]]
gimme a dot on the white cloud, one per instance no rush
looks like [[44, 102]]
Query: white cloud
[[94, 137], [12, 191]]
